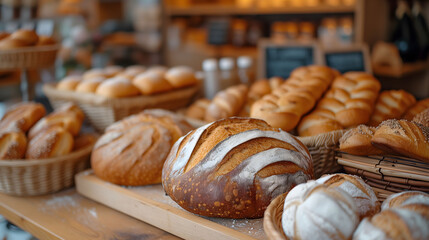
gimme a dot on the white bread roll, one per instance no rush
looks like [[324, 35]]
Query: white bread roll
[[405, 198]]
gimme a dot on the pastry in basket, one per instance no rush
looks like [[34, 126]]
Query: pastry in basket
[[226, 103], [404, 138], [51, 142], [133, 150], [8, 43], [391, 104], [349, 103], [152, 82], [95, 72], [405, 222], [13, 145], [234, 167], [69, 83], [117, 87], [89, 85], [419, 107], [29, 37], [198, 109], [315, 211], [422, 118], [405, 198], [285, 106], [22, 116], [357, 141], [181, 76], [364, 197], [46, 40], [4, 35]]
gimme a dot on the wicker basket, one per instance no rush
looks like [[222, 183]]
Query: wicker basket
[[102, 111], [273, 219], [38, 177], [28, 57]]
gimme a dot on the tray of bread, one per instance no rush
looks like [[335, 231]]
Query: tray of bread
[[24, 49], [110, 94], [40, 154]]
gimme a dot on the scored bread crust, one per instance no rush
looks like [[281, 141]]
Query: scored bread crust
[[226, 103], [357, 141], [13, 145], [405, 198], [22, 117], [52, 142], [234, 167]]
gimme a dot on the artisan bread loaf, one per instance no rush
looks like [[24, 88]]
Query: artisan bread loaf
[[263, 87], [405, 198], [46, 40], [364, 197], [234, 167], [285, 106], [181, 76], [227, 103], [391, 104], [315, 211], [422, 118], [29, 37], [152, 82], [348, 103], [49, 143], [69, 83], [13, 145], [9, 43], [405, 222], [357, 141], [403, 137], [198, 109], [22, 116], [117, 88], [133, 150], [89, 85], [417, 108]]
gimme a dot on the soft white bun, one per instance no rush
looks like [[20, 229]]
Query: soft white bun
[[117, 87]]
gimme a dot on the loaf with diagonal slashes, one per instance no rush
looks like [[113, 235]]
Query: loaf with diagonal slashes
[[233, 168]]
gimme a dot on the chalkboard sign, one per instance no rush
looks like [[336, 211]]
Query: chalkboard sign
[[280, 59], [218, 31], [353, 58]]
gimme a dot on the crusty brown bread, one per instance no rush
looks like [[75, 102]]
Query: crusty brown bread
[[133, 150], [391, 104], [84, 140], [198, 109], [152, 82], [419, 107], [49, 143], [234, 167], [227, 103], [22, 116], [348, 103], [13, 145], [29, 37], [117, 87], [181, 76], [69, 83], [263, 87], [403, 137], [89, 85], [405, 198], [285, 106], [357, 141], [422, 118]]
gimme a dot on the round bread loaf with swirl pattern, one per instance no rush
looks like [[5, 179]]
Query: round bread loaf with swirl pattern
[[234, 167]]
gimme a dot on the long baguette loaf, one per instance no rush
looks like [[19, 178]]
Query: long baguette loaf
[[348, 103], [226, 103], [419, 107], [285, 106]]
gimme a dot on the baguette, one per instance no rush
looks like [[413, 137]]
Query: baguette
[[226, 103]]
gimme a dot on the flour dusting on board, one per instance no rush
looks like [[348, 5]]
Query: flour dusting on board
[[60, 202]]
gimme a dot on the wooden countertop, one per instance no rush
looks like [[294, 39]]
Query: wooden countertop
[[68, 215]]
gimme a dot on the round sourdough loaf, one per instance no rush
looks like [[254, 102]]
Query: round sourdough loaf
[[234, 167], [133, 150]]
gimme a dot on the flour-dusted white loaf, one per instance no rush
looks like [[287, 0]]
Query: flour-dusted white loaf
[[409, 222], [366, 201], [234, 167], [405, 198], [315, 211]]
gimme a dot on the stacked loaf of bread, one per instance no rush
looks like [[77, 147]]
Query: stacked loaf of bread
[[26, 134], [117, 82], [285, 106], [23, 38]]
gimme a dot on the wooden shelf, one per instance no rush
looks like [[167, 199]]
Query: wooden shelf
[[211, 9], [394, 72]]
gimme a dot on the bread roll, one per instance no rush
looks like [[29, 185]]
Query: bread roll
[[419, 107], [405, 198], [264, 87], [93, 73], [71, 107], [181, 76], [22, 116], [46, 40], [111, 71], [364, 197], [198, 109], [285, 106], [314, 211], [117, 88], [160, 69], [226, 103], [29, 37], [4, 35], [152, 82], [49, 143], [134, 70], [133, 150], [233, 168], [422, 118], [403, 137], [406, 222], [391, 105], [84, 140], [357, 141], [69, 83], [9, 43], [12, 145], [90, 85]]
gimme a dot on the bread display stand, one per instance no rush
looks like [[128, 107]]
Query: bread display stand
[[151, 205], [26, 58]]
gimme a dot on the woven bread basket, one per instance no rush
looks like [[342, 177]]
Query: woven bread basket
[[273, 219], [42, 176], [29, 57], [102, 111]]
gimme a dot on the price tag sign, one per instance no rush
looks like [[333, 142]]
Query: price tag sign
[[280, 59], [347, 59]]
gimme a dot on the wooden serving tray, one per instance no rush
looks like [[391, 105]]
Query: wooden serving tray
[[151, 205]]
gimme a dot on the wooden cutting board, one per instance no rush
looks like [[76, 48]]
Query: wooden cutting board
[[151, 205]]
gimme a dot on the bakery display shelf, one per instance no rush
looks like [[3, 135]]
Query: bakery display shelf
[[400, 72], [211, 9], [151, 205]]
